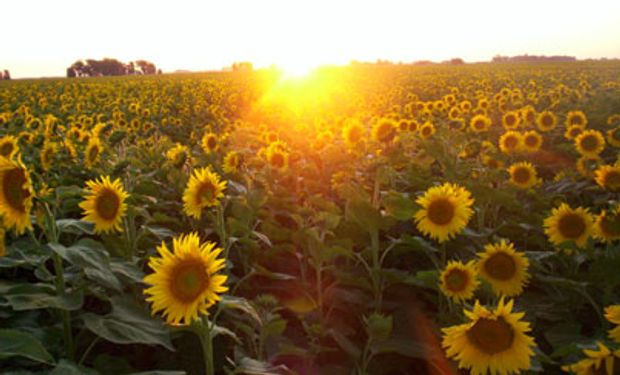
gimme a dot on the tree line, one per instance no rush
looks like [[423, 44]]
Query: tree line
[[110, 67], [5, 75]]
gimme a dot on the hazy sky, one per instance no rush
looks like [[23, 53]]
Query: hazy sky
[[42, 38]]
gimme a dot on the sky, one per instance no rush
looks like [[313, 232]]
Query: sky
[[42, 38]]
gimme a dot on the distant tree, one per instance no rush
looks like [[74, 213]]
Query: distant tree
[[146, 67], [109, 67], [131, 68], [243, 66], [6, 75], [456, 61]]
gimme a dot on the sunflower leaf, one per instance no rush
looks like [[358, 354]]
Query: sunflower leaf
[[15, 343]]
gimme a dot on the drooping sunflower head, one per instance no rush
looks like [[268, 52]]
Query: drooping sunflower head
[[504, 268], [511, 120], [546, 121], [185, 281], [523, 175], [353, 133], [178, 155], [602, 361], [445, 211], [204, 189], [608, 177], [612, 313], [586, 165], [576, 118], [8, 146], [480, 123], [209, 142], [568, 224], [93, 151], [590, 143], [613, 137], [384, 130], [532, 141], [459, 281], [607, 225], [511, 142], [427, 130], [232, 162], [104, 204], [494, 341], [528, 114], [48, 152]]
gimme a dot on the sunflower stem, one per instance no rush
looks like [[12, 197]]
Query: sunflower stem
[[204, 333]]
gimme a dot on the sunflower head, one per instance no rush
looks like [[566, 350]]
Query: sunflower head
[[353, 133], [511, 120], [204, 189], [504, 268], [232, 162], [546, 121], [384, 130], [445, 211], [8, 146], [459, 281], [480, 123], [178, 155], [185, 281], [104, 204], [93, 151], [613, 137], [608, 177], [612, 313], [568, 224], [532, 141], [16, 195], [209, 142], [598, 361], [590, 143], [511, 142], [48, 152], [494, 341], [427, 130], [576, 118], [607, 225], [523, 175]]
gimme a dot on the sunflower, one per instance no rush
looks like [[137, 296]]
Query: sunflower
[[277, 156], [612, 313], [573, 131], [48, 152], [209, 142], [603, 362], [492, 162], [587, 165], [480, 123], [459, 281], [16, 195], [384, 130], [528, 114], [532, 141], [8, 146], [203, 190], [493, 341], [427, 130], [607, 225], [104, 204], [511, 142], [178, 155], [546, 121], [511, 120], [353, 133], [590, 143], [185, 281], [232, 161], [608, 177], [576, 118], [567, 224], [93, 151], [504, 268], [446, 210], [613, 137], [523, 175]]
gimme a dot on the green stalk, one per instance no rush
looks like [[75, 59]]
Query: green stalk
[[204, 333]]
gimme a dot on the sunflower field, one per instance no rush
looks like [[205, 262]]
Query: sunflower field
[[368, 219]]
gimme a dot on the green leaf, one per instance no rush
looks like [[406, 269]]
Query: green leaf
[[378, 326], [92, 257], [75, 226], [347, 345], [128, 323], [65, 367], [242, 304], [405, 347], [363, 214], [42, 296], [399, 206], [250, 366], [159, 372], [14, 343]]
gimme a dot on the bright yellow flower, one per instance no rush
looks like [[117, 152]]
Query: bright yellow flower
[[504, 268], [612, 313], [15, 195], [104, 204], [523, 175], [204, 189], [590, 143], [459, 281], [567, 224]]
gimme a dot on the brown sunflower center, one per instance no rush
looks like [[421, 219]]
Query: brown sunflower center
[[13, 189], [531, 141], [206, 192], [457, 280], [575, 120], [6, 149], [491, 336], [211, 143], [575, 131], [93, 152], [108, 204], [510, 120], [426, 131], [277, 160], [571, 226], [510, 142], [589, 143], [500, 266], [479, 124], [610, 225], [547, 120], [612, 180], [385, 132], [188, 280], [521, 175], [441, 211], [615, 134]]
